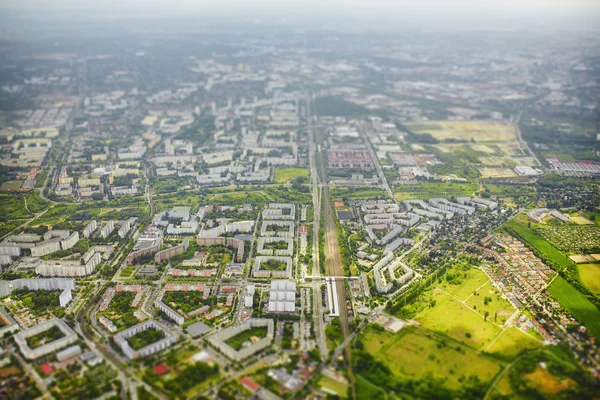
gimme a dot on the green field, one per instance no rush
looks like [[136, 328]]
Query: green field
[[454, 319], [590, 276], [11, 186], [426, 190], [414, 352], [283, 175], [577, 304], [500, 309], [480, 131], [338, 387], [511, 342], [465, 283], [357, 193]]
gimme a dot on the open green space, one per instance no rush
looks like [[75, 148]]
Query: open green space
[[479, 131], [238, 340], [426, 190], [462, 282], [340, 388], [414, 353], [11, 186], [489, 299], [283, 175], [590, 276], [577, 304], [357, 193], [454, 319], [512, 342]]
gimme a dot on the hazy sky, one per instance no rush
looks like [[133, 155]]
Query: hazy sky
[[345, 15], [431, 5]]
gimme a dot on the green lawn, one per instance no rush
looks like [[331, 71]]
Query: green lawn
[[366, 390], [463, 286], [414, 352], [340, 388], [435, 189], [500, 309], [283, 175], [577, 304], [512, 342], [452, 318], [590, 276], [238, 340], [357, 193]]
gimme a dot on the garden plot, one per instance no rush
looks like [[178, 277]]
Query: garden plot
[[572, 238]]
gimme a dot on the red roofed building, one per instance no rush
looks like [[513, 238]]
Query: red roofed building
[[160, 369], [46, 369], [249, 384], [303, 229], [338, 204]]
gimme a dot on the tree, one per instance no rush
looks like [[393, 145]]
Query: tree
[[485, 315]]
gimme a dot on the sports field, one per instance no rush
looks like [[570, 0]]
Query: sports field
[[11, 186], [580, 220], [331, 385], [414, 352], [590, 276], [283, 175], [480, 131], [577, 304]]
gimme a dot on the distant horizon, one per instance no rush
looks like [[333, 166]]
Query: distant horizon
[[355, 18]]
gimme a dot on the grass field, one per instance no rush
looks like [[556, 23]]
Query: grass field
[[357, 193], [494, 172], [470, 280], [454, 319], [581, 221], [590, 276], [283, 175], [511, 342], [426, 190], [414, 352], [481, 131], [11, 186], [338, 387], [366, 390], [577, 304], [500, 309]]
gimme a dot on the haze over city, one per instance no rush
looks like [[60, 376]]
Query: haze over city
[[299, 200]]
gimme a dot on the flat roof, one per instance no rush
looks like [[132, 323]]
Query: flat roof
[[198, 329]]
